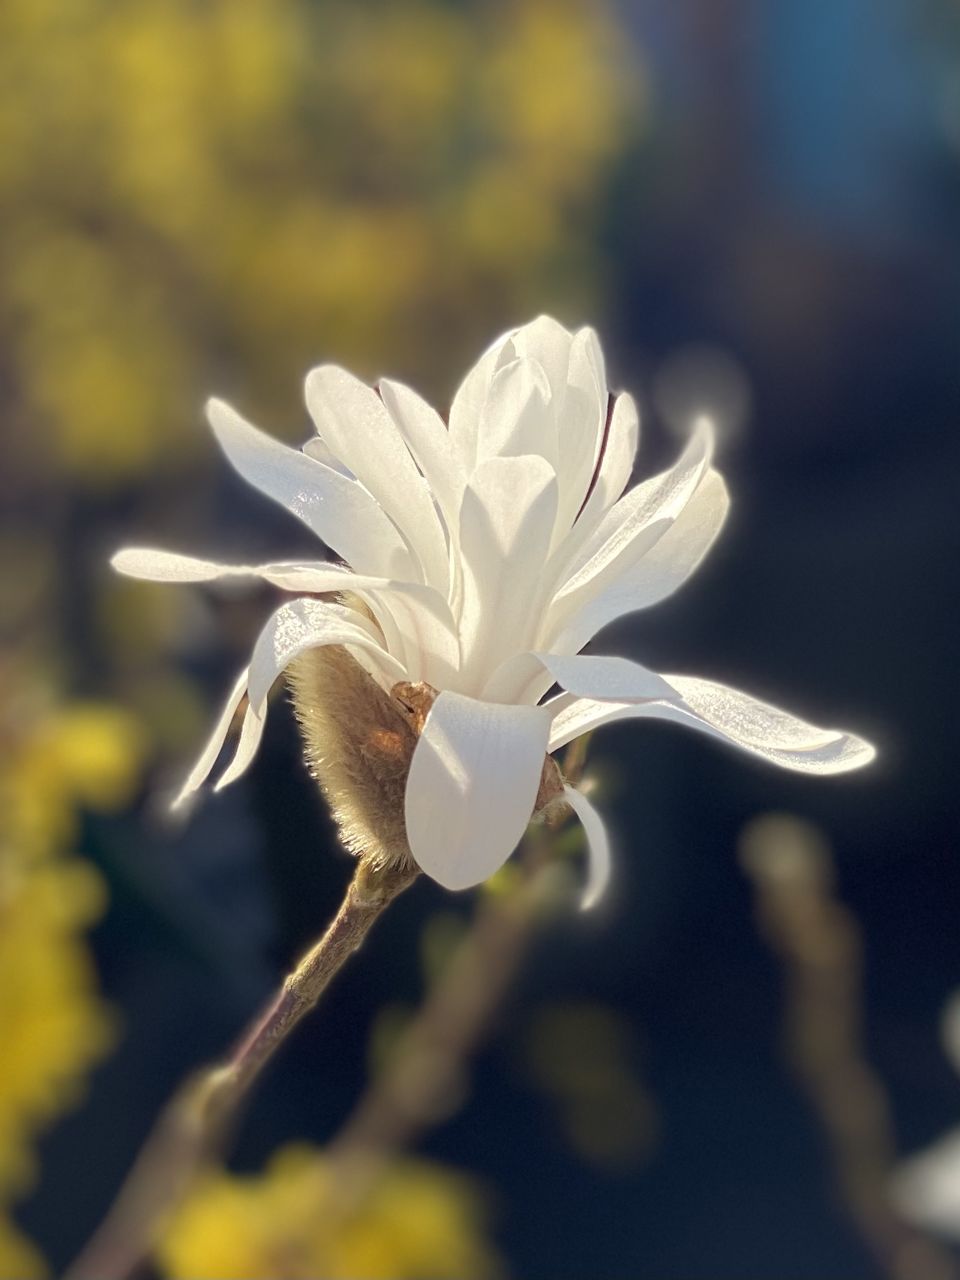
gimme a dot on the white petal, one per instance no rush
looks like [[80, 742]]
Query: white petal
[[616, 465], [548, 342], [516, 417], [154, 565], [472, 786], [660, 571], [337, 509], [628, 531], [471, 396], [251, 733], [353, 421], [208, 756], [507, 520], [429, 441], [581, 415], [416, 620], [727, 714], [290, 631], [598, 847], [307, 624], [599, 677]]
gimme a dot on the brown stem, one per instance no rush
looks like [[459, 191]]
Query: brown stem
[[195, 1122]]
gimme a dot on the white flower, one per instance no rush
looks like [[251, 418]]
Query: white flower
[[926, 1187], [487, 554]]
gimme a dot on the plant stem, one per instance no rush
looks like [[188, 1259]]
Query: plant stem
[[194, 1124]]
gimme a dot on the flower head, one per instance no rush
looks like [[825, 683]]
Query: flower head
[[480, 557]]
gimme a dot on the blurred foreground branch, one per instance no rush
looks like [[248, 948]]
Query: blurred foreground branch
[[820, 944], [194, 1125]]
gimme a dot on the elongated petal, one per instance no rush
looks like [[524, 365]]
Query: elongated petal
[[584, 675], [208, 756], [353, 421], [472, 786], [336, 508], [660, 571], [581, 411], [616, 465], [727, 714], [428, 439], [598, 847], [416, 620], [506, 523], [629, 530]]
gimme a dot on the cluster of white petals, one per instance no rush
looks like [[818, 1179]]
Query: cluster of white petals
[[488, 553]]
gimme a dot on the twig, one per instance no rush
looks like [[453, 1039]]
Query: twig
[[425, 1080], [193, 1126], [821, 947]]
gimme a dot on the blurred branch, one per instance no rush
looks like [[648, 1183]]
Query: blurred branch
[[820, 944], [195, 1123], [424, 1080]]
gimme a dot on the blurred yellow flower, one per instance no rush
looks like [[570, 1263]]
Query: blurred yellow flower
[[421, 1222], [18, 1258], [54, 1023], [250, 183]]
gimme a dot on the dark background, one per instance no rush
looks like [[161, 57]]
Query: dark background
[[785, 193]]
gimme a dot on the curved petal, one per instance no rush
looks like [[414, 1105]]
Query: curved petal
[[507, 520], [616, 464], [416, 620], [208, 756], [472, 786], [629, 529], [660, 571], [307, 624], [290, 631], [727, 714], [598, 847], [353, 421], [336, 508]]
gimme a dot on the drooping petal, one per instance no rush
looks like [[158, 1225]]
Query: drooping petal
[[629, 530], [208, 756], [660, 571], [598, 847], [353, 421], [290, 631], [472, 786], [727, 714], [338, 510], [306, 624], [507, 519]]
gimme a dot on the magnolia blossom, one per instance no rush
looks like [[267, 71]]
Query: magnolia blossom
[[926, 1187], [481, 556]]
